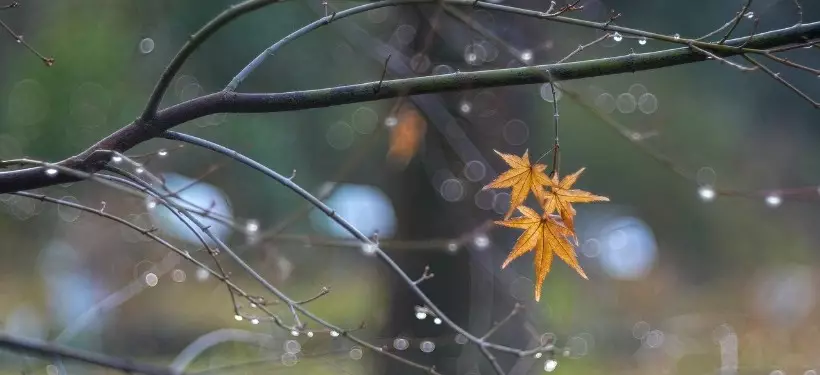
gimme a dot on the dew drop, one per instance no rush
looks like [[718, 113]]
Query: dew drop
[[642, 41], [481, 241], [437, 320], [334, 333], [51, 172], [116, 159], [648, 103], [391, 121], [254, 321], [68, 213], [626, 103], [546, 92], [252, 226], [617, 37], [461, 339], [289, 359], [421, 315], [146, 46], [294, 333], [550, 365], [773, 200], [292, 346], [427, 346], [238, 318], [368, 249], [162, 153], [202, 274], [178, 275], [749, 15], [356, 353], [465, 107], [401, 344], [706, 193], [676, 36], [151, 279]]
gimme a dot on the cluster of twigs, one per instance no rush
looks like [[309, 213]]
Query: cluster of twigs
[[105, 163]]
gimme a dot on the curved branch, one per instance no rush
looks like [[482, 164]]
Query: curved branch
[[548, 15], [229, 102], [47, 350], [331, 213], [196, 39]]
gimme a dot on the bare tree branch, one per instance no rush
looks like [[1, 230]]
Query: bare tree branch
[[48, 350], [196, 39], [353, 231], [230, 102]]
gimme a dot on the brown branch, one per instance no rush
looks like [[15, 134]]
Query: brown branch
[[19, 39], [230, 102], [196, 39]]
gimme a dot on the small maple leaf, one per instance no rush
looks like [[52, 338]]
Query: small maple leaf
[[560, 197], [522, 177], [547, 236]]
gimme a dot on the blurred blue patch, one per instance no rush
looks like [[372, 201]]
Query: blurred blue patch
[[365, 207], [197, 196], [628, 248]]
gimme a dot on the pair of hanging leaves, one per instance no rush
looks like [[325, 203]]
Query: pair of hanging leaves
[[542, 232]]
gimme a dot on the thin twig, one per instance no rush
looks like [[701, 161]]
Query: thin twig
[[325, 290], [799, 11], [736, 21], [426, 275], [516, 309], [19, 39], [581, 47], [13, 4], [722, 60], [792, 64], [384, 72], [780, 79]]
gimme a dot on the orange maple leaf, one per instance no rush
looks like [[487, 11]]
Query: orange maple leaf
[[547, 236], [522, 177], [560, 197]]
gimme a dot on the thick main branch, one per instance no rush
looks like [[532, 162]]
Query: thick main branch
[[230, 102]]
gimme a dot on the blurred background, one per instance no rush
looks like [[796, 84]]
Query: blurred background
[[703, 262]]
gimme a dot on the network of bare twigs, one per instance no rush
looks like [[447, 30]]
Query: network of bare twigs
[[105, 163]]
